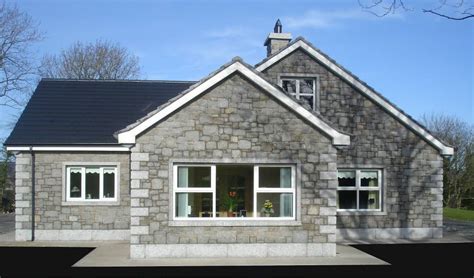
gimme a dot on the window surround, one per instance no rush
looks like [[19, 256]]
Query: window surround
[[237, 221], [87, 202], [381, 187], [316, 97]]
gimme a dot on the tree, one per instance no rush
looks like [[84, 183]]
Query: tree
[[18, 33], [449, 9], [99, 60], [459, 169], [7, 196]]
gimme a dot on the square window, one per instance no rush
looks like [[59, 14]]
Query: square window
[[194, 176], [275, 204], [346, 178], [359, 190], [289, 86], [347, 199], [369, 199], [275, 177], [302, 88], [194, 204]]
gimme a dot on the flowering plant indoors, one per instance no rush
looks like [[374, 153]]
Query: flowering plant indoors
[[267, 208]]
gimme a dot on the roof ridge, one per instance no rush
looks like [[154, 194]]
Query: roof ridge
[[117, 80]]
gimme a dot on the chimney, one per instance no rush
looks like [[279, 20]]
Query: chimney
[[277, 40]]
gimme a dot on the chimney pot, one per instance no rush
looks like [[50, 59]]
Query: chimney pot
[[277, 40]]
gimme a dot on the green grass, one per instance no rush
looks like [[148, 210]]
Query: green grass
[[458, 214]]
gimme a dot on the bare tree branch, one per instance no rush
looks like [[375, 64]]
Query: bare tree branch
[[453, 10], [99, 60], [17, 70]]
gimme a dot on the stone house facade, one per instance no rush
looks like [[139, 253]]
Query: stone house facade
[[281, 159]]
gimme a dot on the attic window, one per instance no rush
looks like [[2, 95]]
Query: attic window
[[302, 88]]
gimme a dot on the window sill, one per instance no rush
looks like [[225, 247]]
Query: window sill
[[90, 203], [236, 222], [346, 212]]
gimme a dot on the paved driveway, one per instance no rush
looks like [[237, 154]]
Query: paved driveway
[[464, 229], [7, 227]]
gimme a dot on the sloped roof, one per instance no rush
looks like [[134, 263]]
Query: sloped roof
[[237, 65], [88, 111], [364, 88]]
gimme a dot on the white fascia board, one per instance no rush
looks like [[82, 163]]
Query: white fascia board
[[130, 135], [337, 137], [444, 150], [71, 149]]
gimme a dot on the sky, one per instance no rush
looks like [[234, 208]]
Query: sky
[[422, 63]]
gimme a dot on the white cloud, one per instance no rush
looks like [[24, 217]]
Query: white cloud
[[326, 19]]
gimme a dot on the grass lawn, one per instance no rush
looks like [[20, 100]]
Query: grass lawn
[[458, 214]]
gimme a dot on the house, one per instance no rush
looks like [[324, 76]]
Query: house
[[283, 158]]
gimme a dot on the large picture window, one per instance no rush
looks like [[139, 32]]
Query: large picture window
[[302, 88], [234, 191], [359, 190], [91, 183]]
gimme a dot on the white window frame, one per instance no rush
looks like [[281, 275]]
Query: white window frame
[[83, 183], [212, 189], [297, 78], [358, 188]]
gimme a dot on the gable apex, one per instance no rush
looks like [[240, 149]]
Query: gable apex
[[364, 88], [128, 135]]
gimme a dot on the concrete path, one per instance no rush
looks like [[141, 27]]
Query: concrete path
[[117, 255], [7, 227]]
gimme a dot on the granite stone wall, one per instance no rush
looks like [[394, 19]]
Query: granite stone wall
[[413, 173], [233, 122], [53, 214]]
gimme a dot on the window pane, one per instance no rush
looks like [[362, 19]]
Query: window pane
[[275, 204], [92, 183], [194, 204], [306, 86], [75, 182], [234, 189], [289, 86], [109, 183], [275, 177], [369, 199], [369, 179], [346, 178], [347, 199], [194, 176], [309, 100]]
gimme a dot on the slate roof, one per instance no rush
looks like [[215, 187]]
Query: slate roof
[[88, 111]]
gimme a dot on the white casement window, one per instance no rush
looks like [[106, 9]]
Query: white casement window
[[359, 190], [234, 192], [91, 183], [302, 88]]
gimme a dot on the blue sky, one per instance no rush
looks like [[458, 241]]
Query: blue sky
[[422, 63]]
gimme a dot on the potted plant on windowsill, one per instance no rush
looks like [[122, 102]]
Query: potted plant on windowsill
[[230, 203], [267, 208]]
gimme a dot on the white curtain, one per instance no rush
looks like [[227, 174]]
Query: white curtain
[[286, 205], [285, 177], [182, 198], [368, 175], [346, 174], [92, 171]]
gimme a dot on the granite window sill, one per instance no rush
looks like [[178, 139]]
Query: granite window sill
[[227, 223], [88, 203], [342, 213]]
